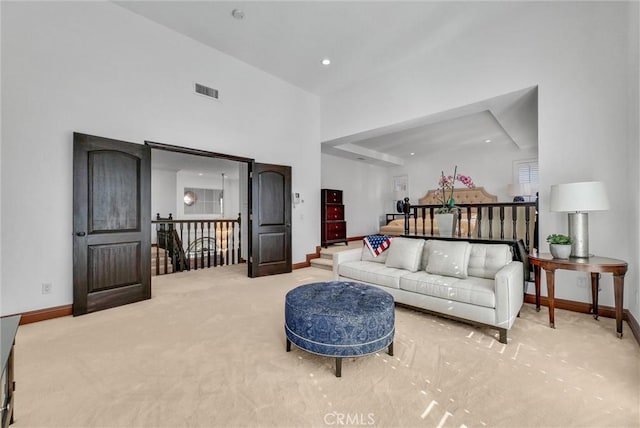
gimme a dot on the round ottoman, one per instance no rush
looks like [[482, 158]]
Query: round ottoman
[[339, 319]]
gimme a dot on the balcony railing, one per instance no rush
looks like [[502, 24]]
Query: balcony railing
[[197, 244], [497, 220]]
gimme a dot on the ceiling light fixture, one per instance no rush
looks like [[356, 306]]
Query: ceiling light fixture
[[412, 154], [237, 14], [487, 141], [325, 61]]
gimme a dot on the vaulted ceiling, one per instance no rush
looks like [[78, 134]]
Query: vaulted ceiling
[[288, 39]]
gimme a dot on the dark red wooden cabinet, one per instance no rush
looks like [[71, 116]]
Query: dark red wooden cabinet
[[334, 227]]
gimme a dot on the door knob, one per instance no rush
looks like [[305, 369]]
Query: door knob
[[80, 233]]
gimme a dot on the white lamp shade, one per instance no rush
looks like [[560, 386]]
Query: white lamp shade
[[576, 197]]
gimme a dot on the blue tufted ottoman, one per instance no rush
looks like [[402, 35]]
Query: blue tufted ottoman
[[339, 319]]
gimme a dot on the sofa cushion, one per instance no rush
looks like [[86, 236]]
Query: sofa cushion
[[449, 258], [475, 291], [487, 259], [405, 253], [372, 273], [424, 260]]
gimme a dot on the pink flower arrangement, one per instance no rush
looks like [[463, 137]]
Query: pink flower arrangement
[[444, 193]]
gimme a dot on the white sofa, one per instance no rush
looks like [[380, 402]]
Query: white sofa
[[475, 282]]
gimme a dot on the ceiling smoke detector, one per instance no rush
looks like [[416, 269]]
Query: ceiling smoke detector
[[237, 14]]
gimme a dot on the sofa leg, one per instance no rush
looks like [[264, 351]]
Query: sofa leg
[[503, 335], [390, 349]]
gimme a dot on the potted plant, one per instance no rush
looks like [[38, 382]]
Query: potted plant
[[560, 245], [447, 213]]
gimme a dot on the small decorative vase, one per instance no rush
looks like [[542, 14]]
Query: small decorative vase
[[447, 224], [560, 251]]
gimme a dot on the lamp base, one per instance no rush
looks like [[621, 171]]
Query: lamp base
[[579, 232]]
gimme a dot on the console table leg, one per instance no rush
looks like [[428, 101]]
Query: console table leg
[[595, 287], [536, 280], [618, 291], [551, 295]]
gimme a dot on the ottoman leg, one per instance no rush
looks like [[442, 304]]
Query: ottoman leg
[[288, 345], [391, 349], [338, 367]]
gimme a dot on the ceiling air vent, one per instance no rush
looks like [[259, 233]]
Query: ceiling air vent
[[206, 91]]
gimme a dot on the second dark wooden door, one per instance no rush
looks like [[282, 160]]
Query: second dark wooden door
[[270, 248]]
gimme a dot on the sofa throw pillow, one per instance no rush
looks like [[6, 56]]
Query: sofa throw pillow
[[368, 255], [449, 258], [405, 253], [424, 261]]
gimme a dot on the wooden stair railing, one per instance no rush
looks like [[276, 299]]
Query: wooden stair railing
[[198, 244]]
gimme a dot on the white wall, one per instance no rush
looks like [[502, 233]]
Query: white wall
[[163, 193], [578, 54], [633, 113], [361, 185], [186, 179], [95, 68]]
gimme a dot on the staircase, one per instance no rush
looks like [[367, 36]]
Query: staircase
[[326, 254], [158, 255], [324, 262]]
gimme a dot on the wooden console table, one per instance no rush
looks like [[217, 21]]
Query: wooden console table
[[595, 266]]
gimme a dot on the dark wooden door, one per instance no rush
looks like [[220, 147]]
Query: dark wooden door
[[111, 218], [270, 247]]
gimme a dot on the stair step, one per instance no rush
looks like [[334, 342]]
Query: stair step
[[162, 271], [322, 263], [326, 255]]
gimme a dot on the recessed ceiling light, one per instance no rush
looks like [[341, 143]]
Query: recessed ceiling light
[[237, 13], [200, 174], [412, 154], [325, 61], [487, 141]]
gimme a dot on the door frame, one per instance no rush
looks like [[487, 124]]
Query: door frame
[[250, 167]]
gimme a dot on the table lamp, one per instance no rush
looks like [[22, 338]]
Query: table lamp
[[578, 199]]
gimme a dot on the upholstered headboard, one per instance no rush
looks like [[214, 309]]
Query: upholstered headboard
[[474, 195]]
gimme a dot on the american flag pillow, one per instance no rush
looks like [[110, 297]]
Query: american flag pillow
[[377, 243]]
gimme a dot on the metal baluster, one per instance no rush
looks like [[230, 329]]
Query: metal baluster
[[226, 225], [208, 244], [490, 222], [239, 238], [233, 243], [527, 219], [202, 245], [431, 218], [514, 218], [216, 256]]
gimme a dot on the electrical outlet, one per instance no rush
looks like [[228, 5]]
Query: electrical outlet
[[46, 288], [582, 282]]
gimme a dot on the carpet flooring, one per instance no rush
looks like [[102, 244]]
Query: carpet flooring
[[208, 350]]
